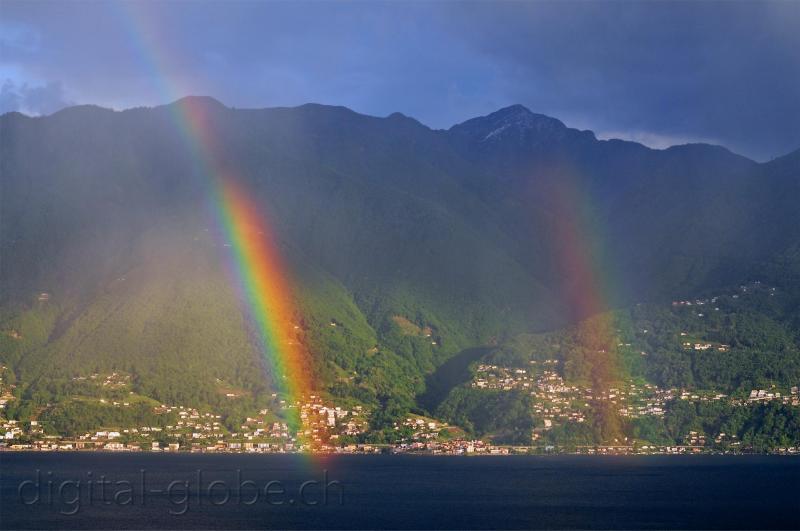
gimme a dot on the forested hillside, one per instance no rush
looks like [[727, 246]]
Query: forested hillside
[[404, 246]]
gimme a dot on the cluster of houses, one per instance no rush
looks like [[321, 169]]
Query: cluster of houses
[[643, 450], [507, 378], [322, 427], [744, 289], [429, 436], [324, 422], [693, 443], [11, 429], [555, 402], [454, 447], [422, 429], [761, 395], [721, 347], [641, 400], [113, 380]]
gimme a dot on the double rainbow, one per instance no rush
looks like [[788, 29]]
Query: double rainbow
[[258, 260]]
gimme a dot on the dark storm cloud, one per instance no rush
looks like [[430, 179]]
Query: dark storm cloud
[[727, 72], [657, 72]]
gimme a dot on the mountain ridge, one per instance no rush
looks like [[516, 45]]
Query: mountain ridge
[[513, 108]]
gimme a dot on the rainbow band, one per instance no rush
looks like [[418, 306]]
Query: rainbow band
[[244, 223], [257, 262], [262, 275]]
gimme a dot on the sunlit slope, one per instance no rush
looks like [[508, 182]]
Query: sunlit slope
[[175, 319]]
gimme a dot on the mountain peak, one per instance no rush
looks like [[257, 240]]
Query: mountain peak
[[515, 122], [516, 109]]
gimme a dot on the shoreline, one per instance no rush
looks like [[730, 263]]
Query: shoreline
[[415, 454]]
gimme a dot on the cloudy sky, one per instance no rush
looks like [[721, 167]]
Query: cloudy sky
[[658, 73]]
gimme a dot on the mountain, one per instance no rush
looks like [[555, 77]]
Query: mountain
[[416, 243]]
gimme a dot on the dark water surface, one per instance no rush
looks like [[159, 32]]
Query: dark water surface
[[397, 492]]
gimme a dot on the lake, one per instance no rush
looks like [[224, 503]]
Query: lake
[[155, 491]]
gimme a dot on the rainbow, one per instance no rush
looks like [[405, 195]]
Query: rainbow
[[578, 244], [588, 282], [254, 250], [261, 273]]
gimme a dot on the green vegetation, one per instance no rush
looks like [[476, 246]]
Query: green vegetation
[[720, 345], [408, 250], [505, 416]]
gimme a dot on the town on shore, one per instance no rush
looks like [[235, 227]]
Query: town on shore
[[326, 428], [124, 421], [335, 430], [460, 447]]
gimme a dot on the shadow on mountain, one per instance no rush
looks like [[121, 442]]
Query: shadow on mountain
[[452, 373]]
